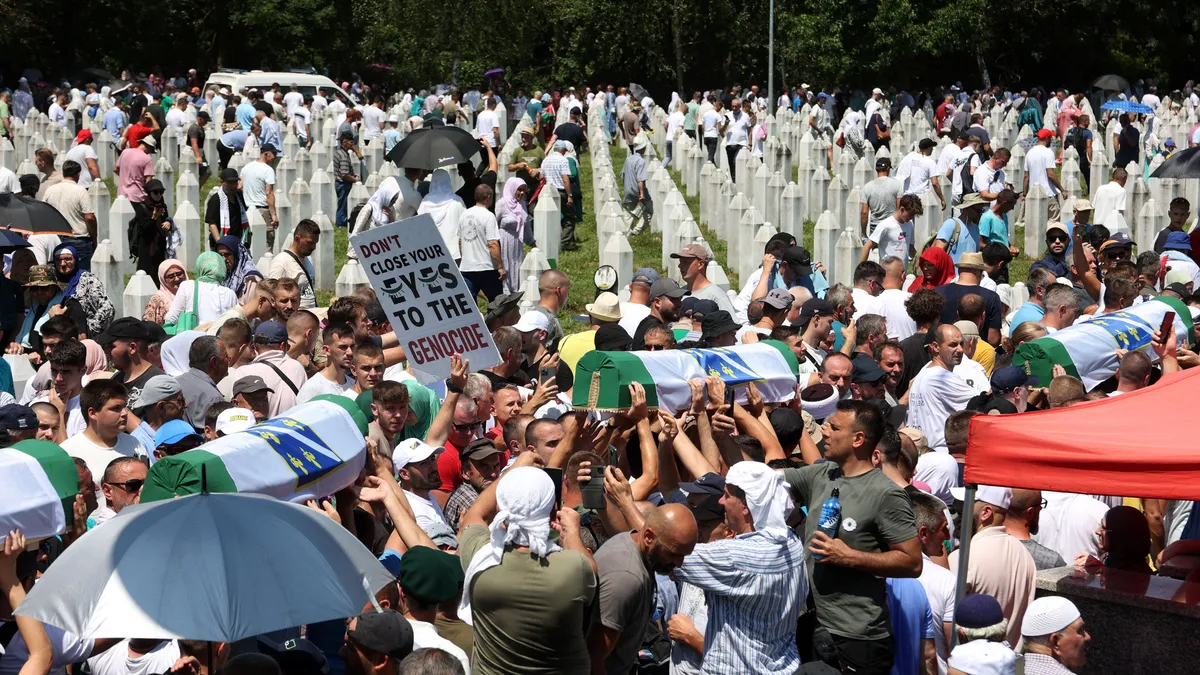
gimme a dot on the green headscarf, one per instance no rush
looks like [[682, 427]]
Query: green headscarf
[[425, 405], [210, 268]]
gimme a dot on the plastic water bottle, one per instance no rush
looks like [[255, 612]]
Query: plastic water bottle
[[831, 518]]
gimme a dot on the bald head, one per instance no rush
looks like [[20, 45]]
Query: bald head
[[673, 522], [893, 269], [1065, 390], [1023, 500], [552, 279], [668, 537]]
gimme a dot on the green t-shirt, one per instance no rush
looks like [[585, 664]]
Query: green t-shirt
[[530, 616], [532, 157], [689, 119], [3, 115], [875, 514]]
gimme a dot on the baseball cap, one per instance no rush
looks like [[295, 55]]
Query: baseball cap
[[815, 307], [1170, 142], [385, 632], [691, 306], [249, 384], [233, 420], [702, 497], [717, 323], [503, 305], [479, 448], [883, 164], [1082, 205], [645, 275], [612, 338], [779, 299], [269, 147], [228, 175], [799, 260], [866, 370], [967, 328], [1116, 240], [16, 417], [270, 333], [531, 321], [297, 656], [1009, 378], [430, 575], [413, 450], [978, 610], [926, 143], [173, 432], [988, 494], [917, 438], [1043, 134], [157, 389], [980, 657], [693, 251], [1047, 615], [667, 287], [877, 90], [125, 328], [1055, 225], [83, 135]]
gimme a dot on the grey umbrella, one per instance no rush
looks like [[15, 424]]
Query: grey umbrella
[[1182, 164], [1111, 83]]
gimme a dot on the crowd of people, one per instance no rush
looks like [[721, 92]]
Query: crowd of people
[[527, 536]]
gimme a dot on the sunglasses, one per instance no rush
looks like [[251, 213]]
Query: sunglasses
[[130, 486], [1057, 237], [653, 348], [467, 426]]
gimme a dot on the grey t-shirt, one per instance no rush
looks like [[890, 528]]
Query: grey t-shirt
[[875, 514], [713, 292], [880, 196], [633, 173], [555, 333], [626, 599]]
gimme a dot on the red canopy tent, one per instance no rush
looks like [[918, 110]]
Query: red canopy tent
[[1142, 444]]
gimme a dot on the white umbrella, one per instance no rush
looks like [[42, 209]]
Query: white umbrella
[[217, 567]]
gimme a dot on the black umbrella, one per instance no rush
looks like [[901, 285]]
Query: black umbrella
[[432, 148], [1111, 83], [30, 216], [639, 92], [1182, 164]]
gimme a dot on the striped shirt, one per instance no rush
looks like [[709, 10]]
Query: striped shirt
[[755, 588], [554, 167]]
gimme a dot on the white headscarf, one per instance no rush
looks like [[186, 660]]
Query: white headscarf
[[766, 497], [445, 207], [383, 198], [525, 502], [175, 352]]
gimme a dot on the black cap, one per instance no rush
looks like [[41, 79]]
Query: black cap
[[269, 147], [692, 306], [866, 370], [15, 417], [702, 497], [386, 632], [717, 323], [1008, 378], [125, 328], [883, 164], [295, 657], [786, 237], [155, 332], [815, 307], [229, 175], [667, 287], [502, 305], [926, 143], [612, 338], [248, 384], [799, 259]]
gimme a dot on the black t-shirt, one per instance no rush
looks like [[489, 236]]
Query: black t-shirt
[[196, 132], [230, 114], [498, 381], [267, 108], [915, 358], [467, 191], [569, 131], [955, 292], [212, 214], [135, 386], [639, 335]]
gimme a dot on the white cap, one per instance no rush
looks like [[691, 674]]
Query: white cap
[[233, 420], [1049, 614], [989, 494], [411, 451], [980, 657], [804, 86], [531, 321], [877, 90], [393, 119], [224, 91]]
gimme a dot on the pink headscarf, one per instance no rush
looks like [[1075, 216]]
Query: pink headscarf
[[513, 206], [168, 296], [96, 361]]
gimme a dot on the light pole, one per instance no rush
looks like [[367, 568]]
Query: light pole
[[771, 61]]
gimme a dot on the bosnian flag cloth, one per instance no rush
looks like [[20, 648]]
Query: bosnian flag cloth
[[602, 379], [38, 485]]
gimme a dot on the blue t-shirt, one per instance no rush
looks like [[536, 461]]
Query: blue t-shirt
[[968, 238], [993, 229], [912, 621], [534, 108], [114, 121], [245, 115], [390, 138], [235, 139], [1027, 312]]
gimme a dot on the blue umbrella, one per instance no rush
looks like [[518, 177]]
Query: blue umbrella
[[11, 240], [1128, 106]]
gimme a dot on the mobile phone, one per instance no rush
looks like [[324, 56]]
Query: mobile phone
[[556, 476], [730, 395], [547, 374], [593, 490], [1168, 324]]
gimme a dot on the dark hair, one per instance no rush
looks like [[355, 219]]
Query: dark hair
[[62, 327], [336, 329], [307, 228], [867, 419], [368, 350], [214, 411], [751, 447], [483, 193], [887, 344], [912, 204], [345, 309], [869, 270], [110, 471], [531, 431], [1180, 202], [925, 306], [996, 253], [203, 349], [390, 392], [1119, 292], [783, 333], [1097, 236], [69, 353], [70, 169], [957, 426], [971, 307], [99, 392], [1007, 196]]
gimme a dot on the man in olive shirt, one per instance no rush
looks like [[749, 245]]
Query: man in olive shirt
[[877, 538], [527, 160]]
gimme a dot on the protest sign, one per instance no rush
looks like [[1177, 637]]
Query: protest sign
[[423, 292]]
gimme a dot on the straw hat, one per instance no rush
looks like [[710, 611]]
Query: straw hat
[[607, 307]]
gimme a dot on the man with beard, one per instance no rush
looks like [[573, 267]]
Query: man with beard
[[890, 357], [122, 485], [1024, 511], [665, 300], [127, 343], [481, 465], [416, 464], [1055, 260], [627, 564], [937, 391]]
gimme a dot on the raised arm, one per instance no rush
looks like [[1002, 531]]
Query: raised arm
[[439, 429]]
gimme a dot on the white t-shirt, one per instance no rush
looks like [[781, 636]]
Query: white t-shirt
[[938, 470], [292, 100], [893, 239], [80, 154], [42, 246], [934, 395], [1108, 198], [425, 635], [76, 424], [319, 103], [1068, 524], [737, 129], [1151, 100], [426, 511], [632, 314], [178, 120], [988, 179], [97, 457], [950, 155], [1037, 162], [939, 589], [674, 124], [256, 176], [485, 124], [891, 305], [711, 119], [920, 171], [117, 661], [303, 118], [318, 385], [974, 374], [956, 170], [372, 122], [475, 229], [57, 114], [65, 649], [864, 303], [284, 266]]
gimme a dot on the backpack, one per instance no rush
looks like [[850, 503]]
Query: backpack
[[965, 177], [186, 320]]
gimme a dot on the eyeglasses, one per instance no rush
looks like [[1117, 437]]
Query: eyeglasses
[[654, 348], [1044, 503], [131, 486], [175, 276]]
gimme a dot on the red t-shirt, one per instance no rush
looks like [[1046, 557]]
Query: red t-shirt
[[136, 133], [450, 468]]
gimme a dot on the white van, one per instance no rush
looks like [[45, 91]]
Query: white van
[[239, 81]]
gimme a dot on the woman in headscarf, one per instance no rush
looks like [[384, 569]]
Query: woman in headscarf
[[96, 361], [445, 207], [171, 274], [175, 352], [513, 218], [852, 132], [84, 287], [204, 295], [47, 300], [1124, 541], [423, 406], [152, 229], [241, 275], [937, 269]]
